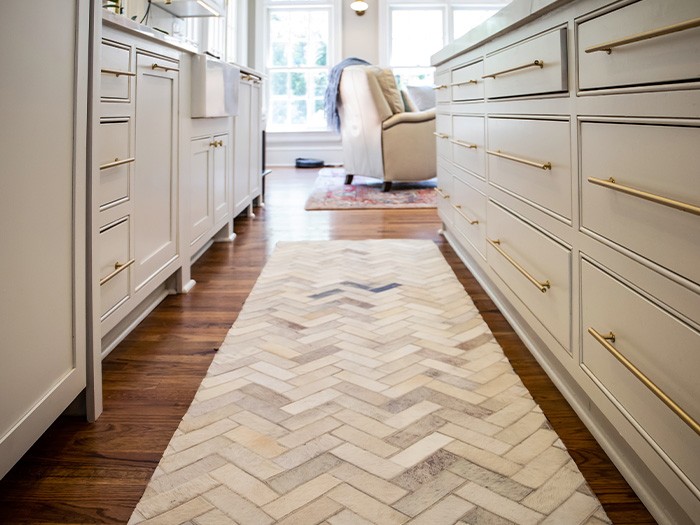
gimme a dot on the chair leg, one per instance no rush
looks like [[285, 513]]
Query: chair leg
[[348, 179], [386, 186]]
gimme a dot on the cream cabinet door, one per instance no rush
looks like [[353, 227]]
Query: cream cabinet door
[[255, 168], [242, 155], [43, 111], [200, 194], [221, 179], [155, 192]]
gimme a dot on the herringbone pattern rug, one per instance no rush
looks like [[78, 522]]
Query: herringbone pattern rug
[[360, 385]]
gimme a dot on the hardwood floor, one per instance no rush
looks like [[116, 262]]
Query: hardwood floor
[[95, 473]]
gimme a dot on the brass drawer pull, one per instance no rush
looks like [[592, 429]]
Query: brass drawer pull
[[670, 403], [117, 162], [117, 72], [543, 286], [442, 194], [536, 63], [440, 86], [671, 203], [216, 143], [441, 135], [497, 153], [118, 268], [667, 30], [463, 144], [156, 65], [458, 208], [455, 84]]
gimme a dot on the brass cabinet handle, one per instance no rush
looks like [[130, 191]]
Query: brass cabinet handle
[[543, 286], [670, 403], [442, 194], [498, 153], [117, 72], [117, 162], [118, 268], [613, 185], [213, 144], [536, 63], [440, 86], [454, 84], [441, 135], [156, 65], [667, 30], [463, 144], [458, 208], [220, 143]]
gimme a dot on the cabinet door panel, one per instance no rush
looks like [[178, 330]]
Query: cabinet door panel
[[241, 181], [155, 199], [221, 183], [201, 214]]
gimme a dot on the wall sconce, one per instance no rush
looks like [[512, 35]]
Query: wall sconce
[[359, 6]]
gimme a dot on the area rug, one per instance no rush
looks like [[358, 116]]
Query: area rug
[[359, 385], [330, 193]]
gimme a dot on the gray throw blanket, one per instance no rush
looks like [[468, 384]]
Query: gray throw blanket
[[331, 95]]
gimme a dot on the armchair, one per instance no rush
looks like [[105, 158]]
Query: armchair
[[380, 139]]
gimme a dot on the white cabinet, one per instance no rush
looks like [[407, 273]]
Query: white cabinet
[[42, 217], [247, 178]]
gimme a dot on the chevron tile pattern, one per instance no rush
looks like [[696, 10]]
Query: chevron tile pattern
[[360, 385]]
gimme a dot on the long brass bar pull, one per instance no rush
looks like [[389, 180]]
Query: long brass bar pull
[[442, 194], [542, 166], [458, 209], [463, 144], [667, 30], [156, 65], [473, 81], [542, 286], [440, 86], [117, 72], [671, 203], [116, 163], [670, 403], [441, 135], [535, 63], [118, 268]]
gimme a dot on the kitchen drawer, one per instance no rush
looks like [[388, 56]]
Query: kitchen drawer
[[115, 160], [114, 265], [444, 191], [660, 346], [468, 144], [535, 267], [532, 160], [469, 215], [116, 77], [443, 133], [467, 83], [442, 86], [655, 59], [661, 162], [537, 65]]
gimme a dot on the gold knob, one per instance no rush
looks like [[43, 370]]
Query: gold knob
[[221, 143]]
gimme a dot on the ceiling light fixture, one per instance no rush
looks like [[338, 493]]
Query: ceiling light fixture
[[359, 6]]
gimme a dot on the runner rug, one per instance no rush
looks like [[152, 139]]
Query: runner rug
[[360, 385], [331, 193]]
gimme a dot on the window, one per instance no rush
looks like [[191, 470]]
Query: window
[[416, 31], [299, 55]]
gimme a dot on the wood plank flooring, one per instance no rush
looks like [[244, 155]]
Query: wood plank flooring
[[95, 473]]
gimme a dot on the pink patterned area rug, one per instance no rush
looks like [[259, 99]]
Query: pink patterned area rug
[[330, 193]]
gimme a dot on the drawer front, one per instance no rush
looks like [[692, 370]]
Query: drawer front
[[467, 83], [663, 348], [540, 257], [116, 75], [666, 57], [114, 255], [537, 166], [469, 215], [115, 160], [444, 191], [442, 86], [468, 144], [538, 65], [443, 134], [658, 160]]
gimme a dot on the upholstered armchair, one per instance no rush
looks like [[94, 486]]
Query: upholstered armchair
[[380, 138]]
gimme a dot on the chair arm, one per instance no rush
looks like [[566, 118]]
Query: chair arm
[[409, 116]]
